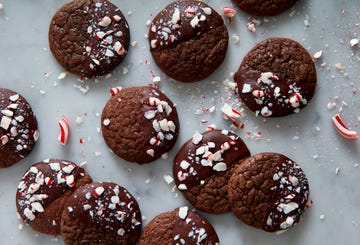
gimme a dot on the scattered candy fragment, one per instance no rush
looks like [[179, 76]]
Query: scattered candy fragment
[[354, 41], [230, 112], [318, 54], [229, 13], [343, 129], [64, 130], [115, 90]]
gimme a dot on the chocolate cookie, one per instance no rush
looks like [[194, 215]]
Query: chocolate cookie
[[264, 7], [268, 191], [89, 37], [180, 226], [101, 213], [43, 190], [18, 128], [203, 166], [188, 40], [276, 78], [140, 124]]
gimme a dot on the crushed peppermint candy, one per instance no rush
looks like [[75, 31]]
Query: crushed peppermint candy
[[112, 205], [318, 55], [41, 182], [106, 29], [183, 212], [355, 41], [230, 113], [193, 160], [164, 32], [158, 112], [292, 188], [16, 118]]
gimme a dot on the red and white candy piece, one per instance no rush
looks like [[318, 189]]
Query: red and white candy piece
[[105, 21], [176, 16], [343, 129], [230, 112], [116, 18], [100, 35], [64, 130], [98, 191], [4, 139], [115, 90], [229, 13], [153, 101], [258, 93], [119, 48], [190, 12]]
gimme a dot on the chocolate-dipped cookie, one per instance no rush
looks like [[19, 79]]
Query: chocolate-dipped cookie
[[43, 190], [268, 191], [18, 128], [264, 7], [180, 226], [140, 124], [203, 166], [89, 37], [188, 40], [276, 78], [101, 213]]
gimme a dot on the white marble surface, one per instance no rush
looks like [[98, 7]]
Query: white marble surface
[[308, 137]]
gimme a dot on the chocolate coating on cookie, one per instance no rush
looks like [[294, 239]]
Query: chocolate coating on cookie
[[43, 190], [89, 37], [268, 191], [101, 213], [276, 78], [180, 226], [188, 40], [264, 7], [140, 124], [203, 167], [18, 128]]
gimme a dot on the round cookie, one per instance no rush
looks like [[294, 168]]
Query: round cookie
[[180, 226], [101, 213], [276, 78], [203, 166], [89, 37], [264, 7], [43, 190], [188, 40], [268, 191], [140, 124], [18, 128]]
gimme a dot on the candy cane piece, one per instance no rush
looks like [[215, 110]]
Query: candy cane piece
[[64, 130], [229, 13], [115, 90], [230, 112], [343, 129]]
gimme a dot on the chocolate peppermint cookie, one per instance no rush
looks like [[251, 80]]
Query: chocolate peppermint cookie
[[264, 7], [203, 166], [188, 40], [89, 37], [276, 78], [180, 226], [268, 191], [18, 128], [43, 190], [140, 124], [101, 213]]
